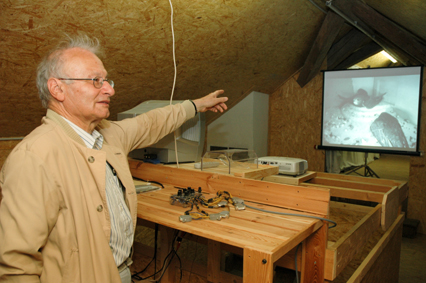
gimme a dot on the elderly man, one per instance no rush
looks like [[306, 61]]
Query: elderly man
[[68, 212]]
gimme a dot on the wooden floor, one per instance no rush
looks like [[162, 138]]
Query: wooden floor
[[394, 167]]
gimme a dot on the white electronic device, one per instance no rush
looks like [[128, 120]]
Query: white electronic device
[[287, 165]]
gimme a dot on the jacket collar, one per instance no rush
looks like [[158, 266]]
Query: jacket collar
[[55, 117]]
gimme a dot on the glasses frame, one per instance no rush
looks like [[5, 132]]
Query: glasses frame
[[94, 80]]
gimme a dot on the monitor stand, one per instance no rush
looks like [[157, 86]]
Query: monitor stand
[[368, 172]]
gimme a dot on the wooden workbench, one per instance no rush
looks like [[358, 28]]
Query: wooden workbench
[[264, 237]]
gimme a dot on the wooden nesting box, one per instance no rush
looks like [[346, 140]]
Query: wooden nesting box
[[365, 246]]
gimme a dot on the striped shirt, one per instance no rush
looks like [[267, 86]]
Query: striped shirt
[[121, 237]]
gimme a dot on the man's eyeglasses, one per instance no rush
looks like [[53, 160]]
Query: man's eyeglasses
[[97, 82]]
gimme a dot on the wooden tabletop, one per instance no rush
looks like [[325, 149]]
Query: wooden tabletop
[[264, 237], [247, 228]]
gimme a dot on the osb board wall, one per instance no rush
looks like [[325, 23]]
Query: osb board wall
[[231, 45], [417, 182], [295, 122], [294, 129]]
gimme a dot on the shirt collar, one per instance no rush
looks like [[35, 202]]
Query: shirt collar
[[94, 140]]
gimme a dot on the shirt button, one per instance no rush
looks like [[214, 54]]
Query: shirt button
[[100, 208], [91, 159]]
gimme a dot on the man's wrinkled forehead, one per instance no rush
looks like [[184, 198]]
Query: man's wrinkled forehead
[[81, 62]]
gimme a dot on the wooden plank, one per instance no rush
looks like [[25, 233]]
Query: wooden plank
[[348, 44], [287, 260], [361, 54], [357, 179], [362, 184], [325, 38], [398, 36], [213, 261], [259, 230], [352, 193], [346, 248], [257, 267], [369, 261], [313, 257], [345, 8], [165, 239], [313, 200], [239, 169], [290, 180], [350, 207], [251, 220], [285, 248], [390, 208], [259, 173], [403, 192]]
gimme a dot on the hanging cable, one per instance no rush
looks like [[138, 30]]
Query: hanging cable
[[175, 75], [295, 263]]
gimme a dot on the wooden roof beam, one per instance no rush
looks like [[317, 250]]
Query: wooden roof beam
[[345, 47], [363, 53], [395, 34], [396, 41], [325, 38]]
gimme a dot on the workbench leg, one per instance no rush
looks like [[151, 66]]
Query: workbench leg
[[213, 261], [257, 267], [166, 238], [313, 256]]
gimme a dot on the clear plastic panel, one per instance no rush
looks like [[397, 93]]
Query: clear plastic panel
[[233, 159]]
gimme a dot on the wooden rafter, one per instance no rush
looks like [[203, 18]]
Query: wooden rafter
[[398, 42], [327, 34], [345, 47], [361, 54], [395, 34]]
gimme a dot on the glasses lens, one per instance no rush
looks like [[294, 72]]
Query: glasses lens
[[98, 82]]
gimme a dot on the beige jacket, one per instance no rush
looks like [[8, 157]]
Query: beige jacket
[[54, 219]]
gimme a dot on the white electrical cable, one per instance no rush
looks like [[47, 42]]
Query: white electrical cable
[[175, 74], [294, 214]]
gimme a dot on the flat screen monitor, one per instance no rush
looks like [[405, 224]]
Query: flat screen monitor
[[372, 110]]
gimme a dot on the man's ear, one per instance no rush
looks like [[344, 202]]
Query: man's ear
[[55, 89]]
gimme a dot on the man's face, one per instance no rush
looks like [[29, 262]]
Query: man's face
[[84, 103]]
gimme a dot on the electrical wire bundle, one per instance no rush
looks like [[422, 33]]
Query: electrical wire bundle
[[188, 197], [222, 199]]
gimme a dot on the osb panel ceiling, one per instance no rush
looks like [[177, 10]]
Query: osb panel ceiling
[[238, 46]]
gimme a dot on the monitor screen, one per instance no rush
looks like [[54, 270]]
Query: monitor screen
[[372, 110]]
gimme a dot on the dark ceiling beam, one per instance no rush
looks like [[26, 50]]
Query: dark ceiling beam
[[327, 34], [377, 27], [361, 54], [398, 36], [348, 44]]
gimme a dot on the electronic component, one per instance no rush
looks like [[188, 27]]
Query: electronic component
[[286, 165], [240, 206], [195, 199], [185, 218]]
